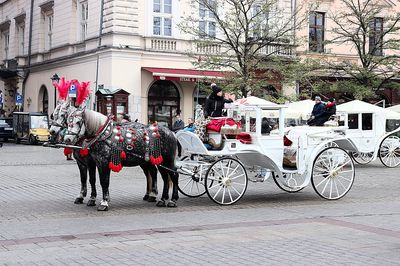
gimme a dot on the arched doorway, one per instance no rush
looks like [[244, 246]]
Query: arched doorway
[[43, 100], [163, 102]]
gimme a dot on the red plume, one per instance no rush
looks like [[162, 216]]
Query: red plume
[[82, 92], [62, 88]]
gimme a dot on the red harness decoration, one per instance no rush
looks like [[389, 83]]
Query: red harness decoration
[[84, 152], [67, 151]]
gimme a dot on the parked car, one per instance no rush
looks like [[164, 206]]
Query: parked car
[[31, 127], [6, 129]]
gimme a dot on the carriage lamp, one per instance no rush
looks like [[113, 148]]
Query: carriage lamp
[[55, 78]]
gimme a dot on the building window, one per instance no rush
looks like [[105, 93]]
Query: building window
[[375, 37], [162, 17], [83, 19], [316, 32], [6, 43], [261, 20], [207, 25], [21, 38], [49, 18]]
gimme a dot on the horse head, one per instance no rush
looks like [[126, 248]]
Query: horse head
[[59, 118], [75, 125]]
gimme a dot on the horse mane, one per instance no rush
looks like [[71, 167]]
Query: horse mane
[[62, 88], [94, 121]]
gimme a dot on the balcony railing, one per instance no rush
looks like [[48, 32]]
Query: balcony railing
[[162, 45], [278, 49], [208, 48]]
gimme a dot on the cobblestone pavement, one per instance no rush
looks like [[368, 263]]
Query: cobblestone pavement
[[40, 224]]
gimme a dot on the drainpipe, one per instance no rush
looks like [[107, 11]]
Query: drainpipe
[[28, 70], [98, 56]]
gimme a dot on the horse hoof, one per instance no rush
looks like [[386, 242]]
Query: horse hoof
[[91, 203], [146, 197], [78, 201], [172, 204], [102, 208], [161, 203], [152, 199]]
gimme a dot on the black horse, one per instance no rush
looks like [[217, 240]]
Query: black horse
[[132, 144]]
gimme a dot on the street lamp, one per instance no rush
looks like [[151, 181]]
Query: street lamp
[[55, 78]]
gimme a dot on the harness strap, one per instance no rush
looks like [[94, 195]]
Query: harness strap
[[98, 134]]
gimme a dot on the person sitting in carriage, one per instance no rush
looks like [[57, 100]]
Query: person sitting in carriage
[[328, 110], [215, 102]]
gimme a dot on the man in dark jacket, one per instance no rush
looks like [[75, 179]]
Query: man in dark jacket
[[215, 102], [330, 109], [318, 110], [178, 125]]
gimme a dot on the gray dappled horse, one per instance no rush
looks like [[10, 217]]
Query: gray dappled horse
[[136, 142], [85, 164]]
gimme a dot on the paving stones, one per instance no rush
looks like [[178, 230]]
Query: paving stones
[[40, 224]]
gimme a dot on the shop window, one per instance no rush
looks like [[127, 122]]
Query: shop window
[[163, 102]]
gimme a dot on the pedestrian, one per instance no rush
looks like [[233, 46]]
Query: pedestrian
[[215, 102], [190, 126], [178, 125], [317, 112]]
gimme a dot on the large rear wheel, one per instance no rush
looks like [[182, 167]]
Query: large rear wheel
[[332, 173], [226, 181], [389, 151]]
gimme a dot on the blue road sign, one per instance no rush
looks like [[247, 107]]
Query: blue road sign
[[72, 91], [18, 99]]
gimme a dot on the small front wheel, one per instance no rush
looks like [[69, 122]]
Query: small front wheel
[[290, 182], [192, 184], [389, 151], [226, 181], [332, 173], [362, 157]]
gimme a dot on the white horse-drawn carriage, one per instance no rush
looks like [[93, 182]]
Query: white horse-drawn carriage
[[320, 155], [366, 128]]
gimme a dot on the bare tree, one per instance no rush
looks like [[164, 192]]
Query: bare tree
[[375, 35], [241, 35]]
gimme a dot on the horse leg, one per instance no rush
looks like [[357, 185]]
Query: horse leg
[[148, 181], [83, 174], [92, 180], [174, 178], [153, 189], [104, 174], [165, 196]]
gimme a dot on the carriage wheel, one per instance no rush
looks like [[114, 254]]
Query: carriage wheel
[[192, 186], [333, 173], [362, 157], [289, 182], [389, 151], [226, 181]]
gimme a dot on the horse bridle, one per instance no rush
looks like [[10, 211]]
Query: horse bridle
[[80, 124]]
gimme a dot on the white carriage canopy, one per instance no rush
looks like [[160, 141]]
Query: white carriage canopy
[[395, 108], [389, 119], [300, 110]]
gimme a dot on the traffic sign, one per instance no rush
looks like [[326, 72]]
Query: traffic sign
[[72, 91], [18, 99]]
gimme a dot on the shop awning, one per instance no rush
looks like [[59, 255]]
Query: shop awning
[[190, 75]]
